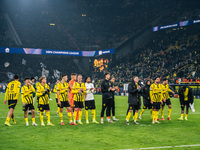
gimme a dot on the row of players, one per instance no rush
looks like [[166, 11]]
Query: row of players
[[73, 95]]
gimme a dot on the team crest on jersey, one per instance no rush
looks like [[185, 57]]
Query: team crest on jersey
[[151, 88]]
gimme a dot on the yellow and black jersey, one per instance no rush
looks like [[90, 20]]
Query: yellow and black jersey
[[63, 88], [185, 93], [13, 90], [55, 90], [27, 94], [37, 84], [76, 87], [43, 98], [156, 93], [166, 91]]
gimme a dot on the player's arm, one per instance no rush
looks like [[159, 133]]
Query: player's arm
[[18, 92], [58, 93], [6, 94], [22, 96], [68, 96], [151, 93], [84, 89], [54, 89], [33, 89], [39, 92], [74, 89]]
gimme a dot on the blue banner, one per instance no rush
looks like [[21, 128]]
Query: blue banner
[[55, 52], [175, 25]]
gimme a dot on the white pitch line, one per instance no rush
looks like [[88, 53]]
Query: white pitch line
[[163, 147]]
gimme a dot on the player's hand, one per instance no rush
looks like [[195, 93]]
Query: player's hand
[[91, 89], [24, 104], [94, 89], [151, 102], [164, 99], [148, 98], [116, 88], [79, 91], [110, 88], [113, 89], [5, 101], [59, 103], [173, 92], [139, 87], [161, 102]]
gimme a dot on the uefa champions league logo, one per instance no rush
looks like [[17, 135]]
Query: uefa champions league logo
[[100, 52], [7, 50]]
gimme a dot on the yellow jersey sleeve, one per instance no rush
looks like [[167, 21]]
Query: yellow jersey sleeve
[[75, 89]]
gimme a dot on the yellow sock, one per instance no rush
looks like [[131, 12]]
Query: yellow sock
[[157, 112], [13, 119], [80, 115], [93, 114], [142, 112], [58, 109], [128, 116], [182, 115], [70, 116], [44, 111], [33, 120], [136, 115], [151, 111], [61, 116], [48, 116], [169, 112], [162, 112], [75, 114], [26, 119], [153, 115], [86, 114], [186, 115], [41, 116]]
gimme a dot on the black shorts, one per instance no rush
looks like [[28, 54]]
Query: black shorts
[[108, 103], [44, 107], [12, 103], [185, 103], [156, 105], [57, 102], [28, 107], [78, 104], [147, 106], [64, 104], [134, 107], [90, 104], [168, 102]]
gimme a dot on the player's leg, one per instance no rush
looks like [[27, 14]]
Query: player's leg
[[26, 117], [61, 113], [13, 118], [187, 111], [80, 112], [136, 115], [10, 113], [69, 109], [58, 107], [93, 107], [182, 112], [104, 105], [75, 112], [143, 109], [162, 111], [41, 114], [108, 111], [113, 111], [87, 104], [130, 108], [169, 111], [33, 116], [47, 109]]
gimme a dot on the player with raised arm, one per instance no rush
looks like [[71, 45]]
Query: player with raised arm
[[27, 100]]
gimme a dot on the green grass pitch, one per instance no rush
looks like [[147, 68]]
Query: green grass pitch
[[98, 136]]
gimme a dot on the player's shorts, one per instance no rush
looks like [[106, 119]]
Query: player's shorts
[[64, 104], [44, 107], [78, 104], [134, 107], [168, 102], [12, 103], [185, 103], [156, 105], [147, 106], [90, 104], [28, 107]]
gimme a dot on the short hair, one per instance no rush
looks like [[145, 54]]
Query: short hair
[[16, 77], [63, 75], [184, 87], [73, 74], [80, 75], [155, 78], [32, 78], [27, 78], [134, 77], [106, 74], [86, 79], [41, 78], [112, 77]]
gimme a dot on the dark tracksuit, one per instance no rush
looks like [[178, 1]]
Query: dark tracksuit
[[146, 97]]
